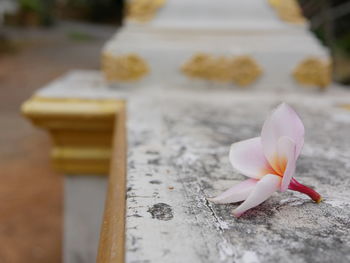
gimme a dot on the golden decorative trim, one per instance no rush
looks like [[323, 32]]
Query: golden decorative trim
[[245, 70], [314, 72], [81, 129], [126, 68], [143, 10], [111, 247], [241, 70], [288, 10], [345, 106]]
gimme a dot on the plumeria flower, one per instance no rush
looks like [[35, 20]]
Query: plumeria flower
[[269, 161]]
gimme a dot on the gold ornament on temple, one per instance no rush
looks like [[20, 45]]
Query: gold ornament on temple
[[344, 106], [314, 72], [242, 70], [245, 70], [143, 10], [129, 67], [82, 131], [288, 10]]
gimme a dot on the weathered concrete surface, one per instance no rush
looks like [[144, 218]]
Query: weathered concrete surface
[[178, 154], [181, 140]]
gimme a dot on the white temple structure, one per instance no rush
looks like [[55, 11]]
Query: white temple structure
[[256, 43]]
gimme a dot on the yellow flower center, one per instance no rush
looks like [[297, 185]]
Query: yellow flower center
[[277, 166]]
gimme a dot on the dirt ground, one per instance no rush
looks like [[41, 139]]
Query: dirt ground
[[30, 191]]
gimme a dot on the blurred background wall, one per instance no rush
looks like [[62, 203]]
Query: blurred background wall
[[329, 20], [46, 12]]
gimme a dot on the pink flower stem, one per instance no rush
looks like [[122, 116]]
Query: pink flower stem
[[296, 186]]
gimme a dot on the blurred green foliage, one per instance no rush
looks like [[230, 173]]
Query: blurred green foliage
[[330, 21], [97, 10], [79, 36], [42, 10], [343, 43], [31, 5]]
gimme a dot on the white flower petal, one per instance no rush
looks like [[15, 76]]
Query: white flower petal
[[248, 158], [263, 190], [236, 193], [283, 122], [287, 154]]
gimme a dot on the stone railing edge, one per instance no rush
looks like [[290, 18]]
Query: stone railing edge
[[112, 236]]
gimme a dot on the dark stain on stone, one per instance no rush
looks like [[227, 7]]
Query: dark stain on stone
[[187, 179], [206, 185], [152, 152], [161, 211], [136, 215], [154, 161], [155, 182], [148, 174], [131, 165], [129, 189]]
